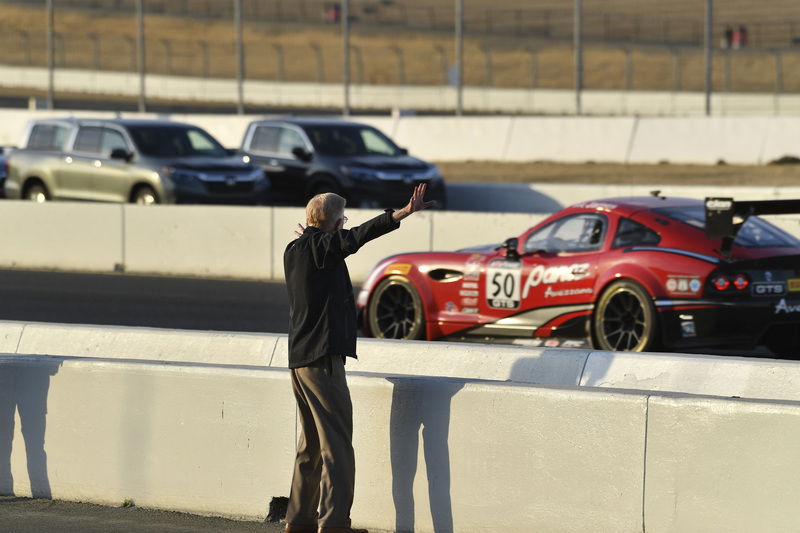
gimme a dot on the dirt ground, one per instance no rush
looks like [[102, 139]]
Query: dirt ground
[[664, 174]]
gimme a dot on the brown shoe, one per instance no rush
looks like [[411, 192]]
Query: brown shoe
[[340, 530], [296, 528]]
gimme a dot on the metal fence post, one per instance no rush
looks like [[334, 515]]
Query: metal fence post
[[578, 44], [709, 53], [401, 70], [459, 45], [237, 15], [140, 47], [50, 56], [280, 70], [346, 56]]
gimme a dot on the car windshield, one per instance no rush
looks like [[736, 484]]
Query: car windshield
[[175, 141], [350, 140], [754, 233]]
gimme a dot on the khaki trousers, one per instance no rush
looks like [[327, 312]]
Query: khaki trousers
[[324, 470]]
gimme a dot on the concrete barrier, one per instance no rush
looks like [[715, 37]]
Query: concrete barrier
[[186, 346], [205, 241], [721, 465], [64, 236], [433, 454], [697, 374]]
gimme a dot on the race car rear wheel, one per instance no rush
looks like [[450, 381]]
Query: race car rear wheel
[[395, 310], [625, 319]]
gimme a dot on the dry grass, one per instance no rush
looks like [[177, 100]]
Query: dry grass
[[177, 45], [656, 175]]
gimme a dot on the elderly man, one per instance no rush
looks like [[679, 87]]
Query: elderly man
[[322, 332]]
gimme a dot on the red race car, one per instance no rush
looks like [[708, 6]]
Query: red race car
[[632, 273]]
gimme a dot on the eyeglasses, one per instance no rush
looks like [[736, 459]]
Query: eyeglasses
[[344, 220]]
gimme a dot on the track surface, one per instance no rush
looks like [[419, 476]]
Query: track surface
[[143, 301]]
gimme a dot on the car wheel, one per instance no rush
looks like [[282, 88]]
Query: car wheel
[[145, 196], [625, 318], [395, 310], [37, 192]]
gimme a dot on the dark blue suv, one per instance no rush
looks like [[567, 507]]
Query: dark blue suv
[[303, 157]]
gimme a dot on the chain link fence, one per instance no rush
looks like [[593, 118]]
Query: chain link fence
[[640, 45]]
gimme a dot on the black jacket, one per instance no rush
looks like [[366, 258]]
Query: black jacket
[[322, 310]]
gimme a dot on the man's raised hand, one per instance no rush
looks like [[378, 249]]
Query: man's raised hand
[[416, 203]]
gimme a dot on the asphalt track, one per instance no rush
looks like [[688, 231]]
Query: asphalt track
[[115, 299]]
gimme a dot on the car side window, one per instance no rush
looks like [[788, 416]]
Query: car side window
[[289, 139], [88, 140], [375, 144], [47, 137], [265, 139], [630, 233], [112, 140], [577, 233]]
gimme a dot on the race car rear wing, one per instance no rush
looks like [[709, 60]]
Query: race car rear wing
[[724, 216]]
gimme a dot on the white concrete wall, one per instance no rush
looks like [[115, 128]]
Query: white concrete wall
[[723, 376], [441, 454], [700, 140], [430, 98]]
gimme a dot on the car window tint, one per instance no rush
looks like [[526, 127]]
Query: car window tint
[[265, 139], [630, 233], [337, 140], [47, 137], [165, 140], [112, 140], [88, 140], [755, 232], [376, 144], [576, 233], [289, 139]]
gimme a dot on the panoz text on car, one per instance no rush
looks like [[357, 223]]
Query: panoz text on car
[[636, 273]]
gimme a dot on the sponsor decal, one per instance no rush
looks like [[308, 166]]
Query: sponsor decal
[[794, 284], [502, 284], [677, 284], [470, 310], [555, 274], [718, 204], [398, 268], [552, 343], [549, 292], [767, 288], [469, 301], [536, 341], [688, 330], [472, 268], [784, 307], [450, 307], [573, 344], [468, 293], [469, 285], [600, 206]]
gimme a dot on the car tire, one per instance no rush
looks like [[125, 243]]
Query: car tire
[[144, 195], [624, 319], [395, 310], [36, 192]]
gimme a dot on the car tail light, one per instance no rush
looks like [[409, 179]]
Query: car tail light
[[740, 281], [721, 282]]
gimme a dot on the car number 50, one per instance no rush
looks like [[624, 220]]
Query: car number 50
[[502, 288]]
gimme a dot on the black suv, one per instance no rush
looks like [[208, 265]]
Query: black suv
[[303, 157]]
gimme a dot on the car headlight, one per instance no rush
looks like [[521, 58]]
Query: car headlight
[[360, 174], [177, 176], [432, 174]]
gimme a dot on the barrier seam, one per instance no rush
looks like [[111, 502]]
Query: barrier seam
[[644, 466], [19, 339], [632, 139], [583, 370]]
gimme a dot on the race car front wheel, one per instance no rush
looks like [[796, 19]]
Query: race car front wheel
[[625, 319], [395, 310]]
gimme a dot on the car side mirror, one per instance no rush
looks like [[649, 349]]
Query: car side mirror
[[403, 151], [121, 153], [510, 246], [302, 154]]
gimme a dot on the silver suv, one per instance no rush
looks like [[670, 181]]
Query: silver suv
[[140, 161]]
